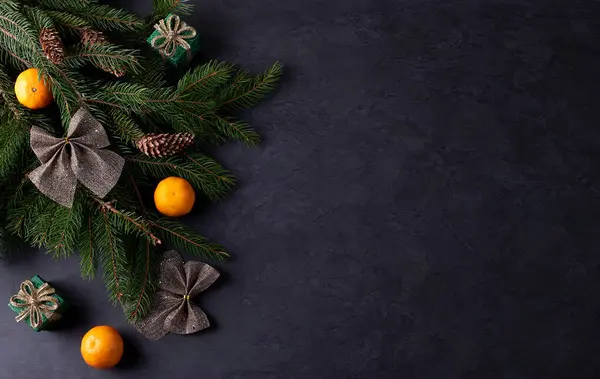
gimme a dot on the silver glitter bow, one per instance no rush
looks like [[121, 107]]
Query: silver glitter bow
[[35, 302], [172, 33], [173, 312], [79, 156]]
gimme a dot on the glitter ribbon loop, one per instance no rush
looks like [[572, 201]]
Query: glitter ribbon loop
[[35, 302], [172, 33], [78, 157], [173, 312]]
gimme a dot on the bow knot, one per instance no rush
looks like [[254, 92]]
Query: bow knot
[[84, 161], [35, 302], [173, 311], [172, 33]]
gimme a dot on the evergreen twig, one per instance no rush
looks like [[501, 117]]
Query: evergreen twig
[[128, 218]]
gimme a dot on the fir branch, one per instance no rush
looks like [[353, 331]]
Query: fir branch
[[138, 194], [125, 127], [67, 20], [14, 141], [18, 35], [211, 167], [127, 96], [108, 18], [17, 24], [17, 206], [214, 128], [34, 218], [9, 4], [140, 99], [13, 195], [65, 93], [112, 256], [106, 57], [247, 91], [100, 16], [13, 59], [13, 46], [129, 222], [185, 239], [204, 79], [152, 73], [233, 129], [63, 231], [110, 248], [38, 18], [87, 250], [8, 95], [67, 5], [142, 287]]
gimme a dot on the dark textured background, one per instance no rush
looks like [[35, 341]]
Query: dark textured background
[[425, 203]]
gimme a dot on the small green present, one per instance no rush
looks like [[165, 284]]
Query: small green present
[[175, 40], [37, 303]]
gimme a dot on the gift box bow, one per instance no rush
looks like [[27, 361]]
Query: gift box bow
[[34, 302], [172, 33]]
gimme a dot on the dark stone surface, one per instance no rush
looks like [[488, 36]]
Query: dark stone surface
[[425, 203]]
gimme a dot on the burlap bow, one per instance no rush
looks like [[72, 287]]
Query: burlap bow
[[76, 157], [173, 311], [172, 33], [35, 302]]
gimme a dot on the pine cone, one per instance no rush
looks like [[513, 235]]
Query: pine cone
[[52, 45], [90, 36], [163, 145]]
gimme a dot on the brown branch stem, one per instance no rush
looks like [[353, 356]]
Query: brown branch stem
[[87, 100], [187, 239], [138, 194], [108, 206]]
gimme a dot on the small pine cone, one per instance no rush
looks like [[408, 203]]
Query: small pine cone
[[163, 145], [52, 45], [90, 36]]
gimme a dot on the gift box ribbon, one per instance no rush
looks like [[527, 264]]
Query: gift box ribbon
[[172, 33], [34, 302]]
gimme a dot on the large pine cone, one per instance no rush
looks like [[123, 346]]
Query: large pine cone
[[164, 145], [52, 45]]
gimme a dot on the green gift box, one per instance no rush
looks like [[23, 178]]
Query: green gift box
[[37, 303], [175, 40]]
